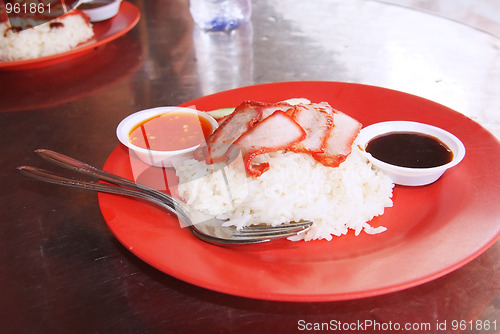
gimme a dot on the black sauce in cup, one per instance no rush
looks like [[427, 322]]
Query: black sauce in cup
[[410, 149]]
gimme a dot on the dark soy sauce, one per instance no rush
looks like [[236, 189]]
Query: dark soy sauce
[[410, 149]]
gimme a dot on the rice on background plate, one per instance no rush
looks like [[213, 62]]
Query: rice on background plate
[[296, 187], [53, 37]]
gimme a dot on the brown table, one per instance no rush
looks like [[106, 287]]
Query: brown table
[[61, 269]]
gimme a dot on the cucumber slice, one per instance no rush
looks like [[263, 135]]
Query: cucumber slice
[[220, 113]]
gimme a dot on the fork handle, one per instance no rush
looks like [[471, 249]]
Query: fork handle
[[50, 177], [81, 167], [84, 168]]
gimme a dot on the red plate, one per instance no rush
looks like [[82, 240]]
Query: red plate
[[104, 32], [432, 230]]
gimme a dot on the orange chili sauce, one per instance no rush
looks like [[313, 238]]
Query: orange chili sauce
[[171, 131]]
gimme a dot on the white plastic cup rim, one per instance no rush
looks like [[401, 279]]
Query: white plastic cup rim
[[103, 12], [155, 157], [405, 175]]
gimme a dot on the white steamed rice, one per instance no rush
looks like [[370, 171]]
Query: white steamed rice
[[43, 40], [296, 187]]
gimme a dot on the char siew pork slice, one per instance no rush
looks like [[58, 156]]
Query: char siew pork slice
[[244, 117], [317, 122], [274, 133], [339, 143]]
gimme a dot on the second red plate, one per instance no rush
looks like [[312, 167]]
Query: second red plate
[[104, 32]]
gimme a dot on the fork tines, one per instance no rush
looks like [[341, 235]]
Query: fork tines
[[272, 231]]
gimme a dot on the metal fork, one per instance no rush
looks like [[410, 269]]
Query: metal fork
[[206, 231]]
